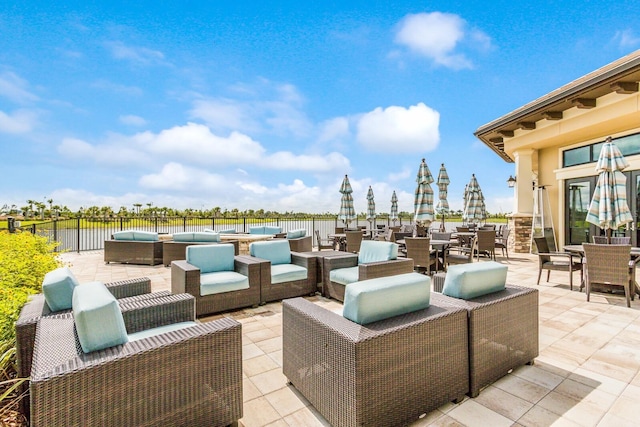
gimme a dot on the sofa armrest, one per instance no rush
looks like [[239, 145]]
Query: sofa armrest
[[151, 313], [249, 267], [185, 277], [130, 288], [385, 268]]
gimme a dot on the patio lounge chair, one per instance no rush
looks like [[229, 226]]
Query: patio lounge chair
[[175, 249], [376, 259], [153, 366], [218, 280], [386, 372]]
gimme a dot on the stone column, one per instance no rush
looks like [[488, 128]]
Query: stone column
[[520, 235]]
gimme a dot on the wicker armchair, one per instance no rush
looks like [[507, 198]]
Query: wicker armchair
[[558, 261], [133, 252], [486, 243], [192, 376], [354, 238], [609, 265], [186, 277], [381, 374], [126, 291], [419, 250], [366, 271], [502, 241], [462, 254], [324, 243], [173, 251]]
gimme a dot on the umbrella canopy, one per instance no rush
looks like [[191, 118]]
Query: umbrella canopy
[[443, 205], [393, 216], [347, 212], [474, 207], [609, 209], [423, 201], [371, 205]]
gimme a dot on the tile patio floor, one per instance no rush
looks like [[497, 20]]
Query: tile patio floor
[[587, 373]]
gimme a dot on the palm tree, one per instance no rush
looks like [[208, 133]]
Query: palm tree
[[137, 206], [31, 203]]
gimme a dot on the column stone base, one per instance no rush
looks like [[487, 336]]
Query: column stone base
[[520, 235]]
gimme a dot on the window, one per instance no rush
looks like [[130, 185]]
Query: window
[[628, 145]]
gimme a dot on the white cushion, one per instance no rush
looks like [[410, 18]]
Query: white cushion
[[57, 287], [222, 281], [281, 273], [344, 276], [467, 281]]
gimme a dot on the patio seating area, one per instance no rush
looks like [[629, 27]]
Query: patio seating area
[[587, 371]]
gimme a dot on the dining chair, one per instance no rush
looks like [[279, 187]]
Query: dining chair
[[324, 244], [600, 240], [354, 239], [418, 249], [486, 243], [464, 255], [621, 240], [608, 265], [558, 261], [502, 242]]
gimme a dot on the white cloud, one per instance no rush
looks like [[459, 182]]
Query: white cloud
[[117, 88], [626, 39], [135, 54], [15, 88], [334, 129], [132, 120], [413, 129], [177, 177], [18, 122], [438, 36]]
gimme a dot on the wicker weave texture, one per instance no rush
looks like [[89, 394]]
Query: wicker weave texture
[[191, 377], [133, 252], [387, 373], [279, 291]]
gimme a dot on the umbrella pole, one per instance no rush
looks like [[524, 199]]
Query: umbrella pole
[[608, 236]]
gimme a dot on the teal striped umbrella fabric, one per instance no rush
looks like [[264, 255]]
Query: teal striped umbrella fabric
[[609, 209], [474, 208], [443, 205], [423, 201], [393, 216], [371, 205], [347, 212]]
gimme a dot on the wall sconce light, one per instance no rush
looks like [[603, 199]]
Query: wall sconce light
[[511, 182]]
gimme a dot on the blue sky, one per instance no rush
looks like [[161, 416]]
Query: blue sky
[[267, 105]]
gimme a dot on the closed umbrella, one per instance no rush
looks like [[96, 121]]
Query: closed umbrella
[[609, 209], [371, 206], [474, 207], [347, 212], [423, 201], [393, 216], [443, 205]]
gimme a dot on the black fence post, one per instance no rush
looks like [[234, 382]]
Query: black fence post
[[55, 232], [184, 223], [78, 233]]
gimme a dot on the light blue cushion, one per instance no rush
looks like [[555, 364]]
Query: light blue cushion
[[57, 287], [276, 251], [200, 236], [98, 318], [123, 235], [272, 230], [281, 273], [183, 237], [344, 276], [467, 281], [145, 236], [376, 251], [377, 299], [296, 234], [256, 230], [228, 231], [211, 258], [222, 281], [147, 333]]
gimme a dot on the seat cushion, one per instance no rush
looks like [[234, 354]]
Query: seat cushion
[[57, 287], [372, 300], [281, 273], [467, 281], [147, 333], [97, 316], [211, 258], [376, 251], [222, 281], [276, 251], [344, 276], [145, 236]]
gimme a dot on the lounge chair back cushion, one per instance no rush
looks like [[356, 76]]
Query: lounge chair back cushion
[[467, 281], [296, 234], [377, 299], [199, 236], [141, 236], [376, 251], [57, 287], [276, 251], [98, 319], [272, 229], [227, 231], [211, 258]]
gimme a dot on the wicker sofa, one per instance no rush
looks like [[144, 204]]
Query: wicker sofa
[[126, 291], [192, 376], [386, 373], [133, 247]]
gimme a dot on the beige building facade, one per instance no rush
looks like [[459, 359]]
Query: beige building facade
[[554, 142]]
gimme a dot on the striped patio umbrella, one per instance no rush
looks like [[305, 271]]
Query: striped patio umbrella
[[474, 207], [371, 205], [347, 212], [443, 205], [393, 216], [423, 201], [609, 209]]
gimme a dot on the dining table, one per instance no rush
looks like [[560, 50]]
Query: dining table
[[440, 246]]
